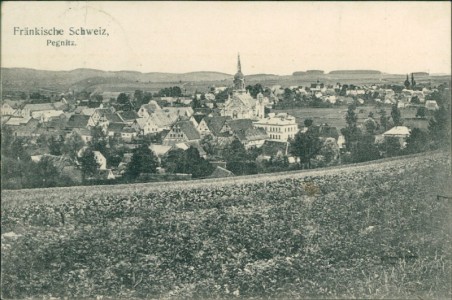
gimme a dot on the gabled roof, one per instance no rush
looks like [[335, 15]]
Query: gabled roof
[[128, 115], [188, 129], [13, 103], [215, 124], [271, 148], [39, 106], [220, 172], [240, 124], [13, 121], [128, 130], [245, 99], [159, 150], [115, 127], [112, 118], [251, 134], [397, 131], [77, 121], [199, 117]]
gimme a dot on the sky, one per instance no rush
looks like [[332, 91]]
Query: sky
[[271, 37]]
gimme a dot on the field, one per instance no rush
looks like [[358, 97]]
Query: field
[[336, 116], [372, 230]]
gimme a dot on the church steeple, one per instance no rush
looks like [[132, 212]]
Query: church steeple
[[239, 79], [239, 66]]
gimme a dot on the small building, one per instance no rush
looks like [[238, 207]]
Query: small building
[[431, 105], [220, 172], [399, 132]]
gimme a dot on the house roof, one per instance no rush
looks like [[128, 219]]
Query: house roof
[[13, 121], [215, 124], [128, 130], [328, 131], [13, 103], [128, 115], [159, 150], [115, 127], [220, 172], [397, 131], [240, 124], [198, 117], [271, 148], [245, 99], [189, 130], [77, 121], [39, 106], [251, 134]]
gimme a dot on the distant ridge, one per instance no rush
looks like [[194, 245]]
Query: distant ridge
[[347, 72]]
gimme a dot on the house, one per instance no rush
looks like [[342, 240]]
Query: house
[[196, 118], [102, 117], [212, 125], [251, 137], [166, 117], [128, 134], [45, 116], [77, 121], [431, 105], [182, 132], [145, 126], [84, 133], [115, 129], [147, 109], [280, 127], [10, 107], [128, 117], [101, 160], [35, 110], [399, 132], [23, 127]]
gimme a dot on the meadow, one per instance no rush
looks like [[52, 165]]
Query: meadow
[[371, 230]]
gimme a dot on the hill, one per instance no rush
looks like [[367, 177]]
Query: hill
[[28, 79], [351, 232], [350, 72]]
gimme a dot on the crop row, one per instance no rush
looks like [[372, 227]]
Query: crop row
[[372, 231]]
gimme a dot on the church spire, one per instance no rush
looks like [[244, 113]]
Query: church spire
[[239, 66]]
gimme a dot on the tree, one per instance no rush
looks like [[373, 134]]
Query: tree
[[305, 146], [391, 146], [351, 132], [88, 164], [195, 164], [55, 145], [123, 102], [99, 140], [417, 141], [383, 119], [208, 143], [407, 82], [6, 140], [308, 122], [143, 161], [396, 115], [236, 157], [43, 174], [329, 150], [174, 161], [439, 126], [254, 90], [365, 149], [72, 145], [421, 112], [371, 125]]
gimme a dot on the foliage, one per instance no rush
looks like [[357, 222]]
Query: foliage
[[88, 163], [123, 102], [439, 127], [391, 146], [365, 149], [143, 161], [363, 232], [396, 115], [418, 141], [254, 90], [305, 146], [421, 112], [173, 91]]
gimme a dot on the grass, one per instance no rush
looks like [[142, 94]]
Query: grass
[[366, 231]]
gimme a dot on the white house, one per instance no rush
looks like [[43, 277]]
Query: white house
[[280, 127], [399, 132]]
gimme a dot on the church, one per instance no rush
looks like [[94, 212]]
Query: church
[[241, 105]]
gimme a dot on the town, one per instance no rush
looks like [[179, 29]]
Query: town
[[237, 129]]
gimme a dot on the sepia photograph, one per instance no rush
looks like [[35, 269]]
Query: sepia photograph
[[226, 150]]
